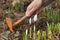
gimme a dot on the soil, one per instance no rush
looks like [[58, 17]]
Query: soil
[[4, 6]]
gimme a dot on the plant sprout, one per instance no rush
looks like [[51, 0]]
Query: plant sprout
[[9, 11], [30, 28], [57, 28], [30, 21], [35, 19], [23, 35], [26, 34], [34, 33], [49, 31], [26, 31], [38, 34], [44, 35]]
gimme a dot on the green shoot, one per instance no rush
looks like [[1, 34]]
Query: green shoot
[[38, 34], [44, 35], [34, 33]]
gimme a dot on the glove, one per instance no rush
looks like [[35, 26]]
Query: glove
[[33, 7]]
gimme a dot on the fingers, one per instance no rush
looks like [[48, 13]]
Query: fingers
[[29, 12], [33, 7], [29, 9]]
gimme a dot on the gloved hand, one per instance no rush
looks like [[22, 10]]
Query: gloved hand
[[35, 5]]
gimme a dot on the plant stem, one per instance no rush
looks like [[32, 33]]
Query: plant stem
[[30, 32], [34, 34]]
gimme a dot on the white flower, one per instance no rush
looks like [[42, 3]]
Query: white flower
[[30, 21], [35, 18], [26, 31]]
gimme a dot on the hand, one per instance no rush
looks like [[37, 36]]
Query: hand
[[36, 4]]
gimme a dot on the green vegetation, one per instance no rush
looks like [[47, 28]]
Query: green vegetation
[[33, 31]]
